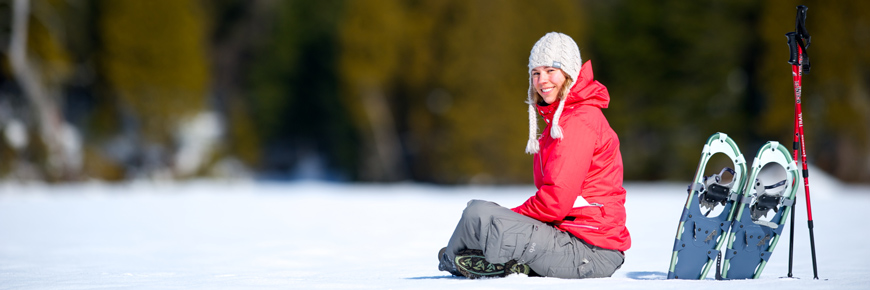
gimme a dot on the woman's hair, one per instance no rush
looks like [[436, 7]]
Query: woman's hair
[[566, 88]]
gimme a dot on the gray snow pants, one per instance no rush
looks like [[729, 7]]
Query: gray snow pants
[[504, 235]]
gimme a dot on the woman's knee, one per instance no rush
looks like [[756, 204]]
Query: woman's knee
[[478, 208]]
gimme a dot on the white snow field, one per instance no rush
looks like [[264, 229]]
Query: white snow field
[[315, 235]]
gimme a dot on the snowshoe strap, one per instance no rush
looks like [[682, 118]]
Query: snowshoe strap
[[761, 189], [778, 184], [788, 201], [695, 187], [727, 169], [718, 177], [734, 196]]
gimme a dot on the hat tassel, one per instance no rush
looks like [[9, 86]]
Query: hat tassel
[[532, 147], [556, 130]]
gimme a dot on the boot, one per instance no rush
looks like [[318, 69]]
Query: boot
[[472, 264], [444, 263]]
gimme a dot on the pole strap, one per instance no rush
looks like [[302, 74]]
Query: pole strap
[[803, 36]]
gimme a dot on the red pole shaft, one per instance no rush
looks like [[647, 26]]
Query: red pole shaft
[[797, 73]]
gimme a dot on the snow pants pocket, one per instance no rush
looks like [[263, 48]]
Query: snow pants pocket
[[507, 239]]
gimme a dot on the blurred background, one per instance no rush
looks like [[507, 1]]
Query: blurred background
[[408, 90]]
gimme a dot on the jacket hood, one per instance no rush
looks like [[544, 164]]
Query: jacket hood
[[588, 91]]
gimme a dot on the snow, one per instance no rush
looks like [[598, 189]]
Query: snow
[[197, 136], [315, 235], [16, 134]]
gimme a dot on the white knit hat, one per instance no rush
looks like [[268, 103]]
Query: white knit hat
[[559, 51]]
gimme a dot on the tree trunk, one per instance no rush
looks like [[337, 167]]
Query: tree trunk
[[60, 139]]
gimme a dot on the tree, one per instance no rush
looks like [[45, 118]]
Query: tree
[[40, 77], [154, 59]]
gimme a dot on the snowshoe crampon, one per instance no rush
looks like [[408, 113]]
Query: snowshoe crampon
[[761, 214], [700, 234]]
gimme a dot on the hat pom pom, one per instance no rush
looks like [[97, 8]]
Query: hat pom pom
[[532, 147]]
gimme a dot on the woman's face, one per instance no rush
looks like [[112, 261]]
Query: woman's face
[[548, 82]]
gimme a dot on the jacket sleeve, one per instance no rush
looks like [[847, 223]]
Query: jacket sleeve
[[563, 175]]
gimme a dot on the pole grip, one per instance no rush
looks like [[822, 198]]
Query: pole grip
[[793, 51]]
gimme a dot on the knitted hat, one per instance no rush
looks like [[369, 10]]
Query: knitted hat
[[559, 51]]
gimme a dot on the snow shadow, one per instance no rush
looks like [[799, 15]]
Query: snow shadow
[[647, 275], [435, 277], [637, 275]]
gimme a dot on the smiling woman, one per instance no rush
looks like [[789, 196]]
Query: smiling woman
[[574, 225]]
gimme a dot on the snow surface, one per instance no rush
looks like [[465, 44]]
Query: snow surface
[[313, 235]]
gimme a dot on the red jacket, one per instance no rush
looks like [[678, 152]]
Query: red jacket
[[587, 163]]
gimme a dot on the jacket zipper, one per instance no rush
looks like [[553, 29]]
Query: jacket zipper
[[579, 226], [595, 204]]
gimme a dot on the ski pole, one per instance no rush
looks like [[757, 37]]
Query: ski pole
[[798, 43]]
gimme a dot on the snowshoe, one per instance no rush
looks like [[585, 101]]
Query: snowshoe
[[472, 264], [753, 235], [701, 234]]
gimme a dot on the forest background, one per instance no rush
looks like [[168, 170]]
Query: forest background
[[408, 90]]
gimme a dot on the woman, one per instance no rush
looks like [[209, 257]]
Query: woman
[[574, 225]]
